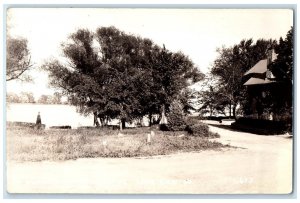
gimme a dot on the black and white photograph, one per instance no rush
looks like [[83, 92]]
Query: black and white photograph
[[149, 100]]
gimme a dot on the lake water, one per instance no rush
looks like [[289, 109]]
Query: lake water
[[53, 115]]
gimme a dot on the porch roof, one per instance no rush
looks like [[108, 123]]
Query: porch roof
[[258, 81]]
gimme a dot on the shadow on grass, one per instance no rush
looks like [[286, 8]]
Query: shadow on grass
[[249, 130], [226, 127]]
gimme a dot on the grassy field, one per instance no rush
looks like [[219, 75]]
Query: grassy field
[[25, 144]]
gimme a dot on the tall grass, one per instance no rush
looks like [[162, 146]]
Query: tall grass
[[24, 144]]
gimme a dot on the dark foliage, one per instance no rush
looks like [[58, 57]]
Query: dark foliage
[[218, 118], [262, 127], [164, 127], [283, 69], [112, 74]]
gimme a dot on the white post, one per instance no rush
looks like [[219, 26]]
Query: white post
[[148, 138], [120, 124]]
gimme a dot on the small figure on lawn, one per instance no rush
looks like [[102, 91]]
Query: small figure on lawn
[[38, 123]]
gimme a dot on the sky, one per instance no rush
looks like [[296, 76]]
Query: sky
[[195, 32]]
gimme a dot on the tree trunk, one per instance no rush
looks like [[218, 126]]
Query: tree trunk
[[159, 118], [150, 120], [122, 123], [140, 121], [230, 109], [102, 121], [106, 121], [234, 110], [96, 120]]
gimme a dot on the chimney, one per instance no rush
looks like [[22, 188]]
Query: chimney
[[271, 56]]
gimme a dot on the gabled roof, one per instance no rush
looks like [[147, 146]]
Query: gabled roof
[[260, 67], [258, 81]]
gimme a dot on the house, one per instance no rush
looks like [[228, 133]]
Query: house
[[260, 80]]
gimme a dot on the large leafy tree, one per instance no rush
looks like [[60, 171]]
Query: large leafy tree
[[282, 68], [212, 101], [210, 98], [174, 72], [115, 75], [18, 59]]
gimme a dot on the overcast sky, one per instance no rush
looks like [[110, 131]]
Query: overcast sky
[[195, 32]]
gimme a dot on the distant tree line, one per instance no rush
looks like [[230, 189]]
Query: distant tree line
[[28, 97]]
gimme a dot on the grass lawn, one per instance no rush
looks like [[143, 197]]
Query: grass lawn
[[26, 144]]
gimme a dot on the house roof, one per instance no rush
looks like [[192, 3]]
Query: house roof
[[257, 81], [260, 67]]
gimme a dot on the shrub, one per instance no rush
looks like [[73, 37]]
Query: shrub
[[191, 121], [176, 117], [163, 127], [200, 130]]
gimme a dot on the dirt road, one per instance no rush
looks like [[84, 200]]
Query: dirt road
[[259, 164]]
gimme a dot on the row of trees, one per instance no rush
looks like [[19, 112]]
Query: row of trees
[[116, 75], [28, 97], [224, 88]]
